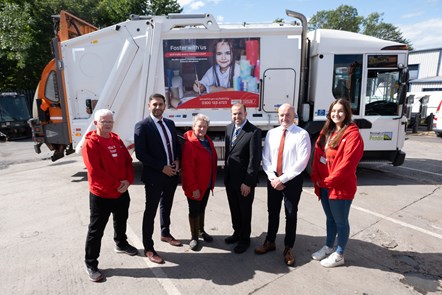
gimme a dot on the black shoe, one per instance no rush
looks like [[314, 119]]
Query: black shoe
[[206, 237], [241, 248], [231, 240], [128, 249]]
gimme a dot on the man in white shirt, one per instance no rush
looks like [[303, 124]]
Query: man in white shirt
[[285, 155]]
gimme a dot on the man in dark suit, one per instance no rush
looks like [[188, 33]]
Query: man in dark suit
[[157, 147], [242, 161]]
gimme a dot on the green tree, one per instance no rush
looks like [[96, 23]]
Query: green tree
[[16, 42], [342, 18], [164, 7], [26, 29], [346, 18], [374, 26]]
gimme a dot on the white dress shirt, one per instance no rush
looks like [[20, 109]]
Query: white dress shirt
[[163, 138], [296, 152]]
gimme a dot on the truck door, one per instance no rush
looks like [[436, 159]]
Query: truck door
[[278, 88], [371, 83], [382, 104]]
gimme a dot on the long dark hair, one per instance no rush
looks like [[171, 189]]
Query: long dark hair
[[330, 126], [232, 61]]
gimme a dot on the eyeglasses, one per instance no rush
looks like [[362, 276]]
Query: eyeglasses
[[106, 122]]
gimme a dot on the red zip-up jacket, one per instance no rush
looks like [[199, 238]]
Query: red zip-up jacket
[[339, 172], [197, 165], [105, 172]]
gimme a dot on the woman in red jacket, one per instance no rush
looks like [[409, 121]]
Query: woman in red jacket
[[199, 164], [338, 151]]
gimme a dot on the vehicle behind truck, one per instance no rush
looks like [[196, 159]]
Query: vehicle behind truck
[[14, 116], [120, 66], [422, 108]]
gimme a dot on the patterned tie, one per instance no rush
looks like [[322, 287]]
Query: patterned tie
[[235, 135], [169, 149], [280, 153]]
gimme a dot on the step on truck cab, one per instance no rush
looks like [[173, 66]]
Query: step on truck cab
[[120, 66]]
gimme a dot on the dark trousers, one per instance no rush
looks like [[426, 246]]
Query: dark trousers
[[161, 193], [290, 196], [197, 207], [100, 210], [240, 211]]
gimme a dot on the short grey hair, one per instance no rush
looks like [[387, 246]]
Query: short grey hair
[[101, 113], [200, 117]]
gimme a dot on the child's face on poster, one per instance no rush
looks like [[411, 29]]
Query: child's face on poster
[[223, 55]]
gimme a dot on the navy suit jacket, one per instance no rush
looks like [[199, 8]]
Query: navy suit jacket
[[242, 160], [149, 148]]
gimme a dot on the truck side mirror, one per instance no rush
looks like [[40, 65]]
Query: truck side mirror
[[402, 93], [405, 75], [403, 87]]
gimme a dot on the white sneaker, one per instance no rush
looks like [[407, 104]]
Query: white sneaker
[[322, 253], [333, 260]]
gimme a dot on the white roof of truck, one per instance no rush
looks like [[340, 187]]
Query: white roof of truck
[[323, 40]]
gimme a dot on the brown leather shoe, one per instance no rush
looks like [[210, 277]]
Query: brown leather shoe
[[268, 246], [154, 257], [289, 259], [171, 240]]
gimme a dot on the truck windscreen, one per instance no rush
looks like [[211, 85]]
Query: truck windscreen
[[14, 108]]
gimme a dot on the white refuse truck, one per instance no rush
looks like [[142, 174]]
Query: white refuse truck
[[120, 66]]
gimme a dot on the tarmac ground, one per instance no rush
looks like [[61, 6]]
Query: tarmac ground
[[395, 245]]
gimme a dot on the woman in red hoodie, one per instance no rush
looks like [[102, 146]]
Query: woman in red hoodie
[[338, 151], [199, 164]]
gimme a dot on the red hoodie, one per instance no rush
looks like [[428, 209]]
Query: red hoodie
[[197, 165], [339, 172], [108, 163]]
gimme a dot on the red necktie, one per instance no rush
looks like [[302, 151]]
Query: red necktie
[[169, 149], [280, 152]]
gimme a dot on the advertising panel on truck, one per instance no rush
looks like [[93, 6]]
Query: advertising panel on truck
[[211, 73]]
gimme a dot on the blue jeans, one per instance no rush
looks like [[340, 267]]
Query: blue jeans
[[337, 212]]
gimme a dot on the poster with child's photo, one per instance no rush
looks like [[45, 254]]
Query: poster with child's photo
[[211, 73]]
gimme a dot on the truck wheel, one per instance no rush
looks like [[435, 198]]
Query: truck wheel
[[439, 134]]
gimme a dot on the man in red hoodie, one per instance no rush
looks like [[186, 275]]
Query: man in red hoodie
[[110, 172]]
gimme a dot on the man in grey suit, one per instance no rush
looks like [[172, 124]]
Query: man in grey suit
[[242, 161]]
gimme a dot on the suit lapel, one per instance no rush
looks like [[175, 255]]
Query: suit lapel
[[240, 135]]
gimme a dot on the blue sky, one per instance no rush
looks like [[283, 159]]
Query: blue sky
[[419, 21]]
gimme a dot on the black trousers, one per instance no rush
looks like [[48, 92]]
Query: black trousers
[[241, 211], [290, 196], [161, 193], [100, 210], [197, 207]]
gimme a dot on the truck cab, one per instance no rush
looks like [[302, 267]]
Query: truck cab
[[14, 116]]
